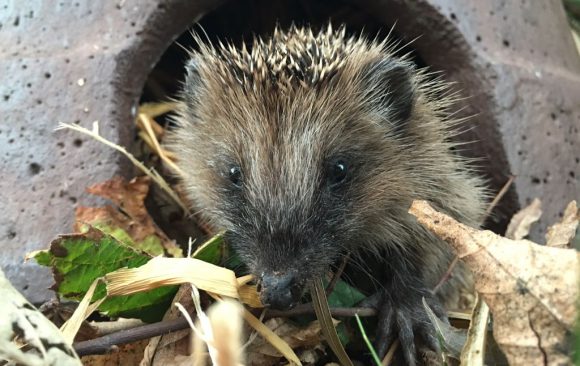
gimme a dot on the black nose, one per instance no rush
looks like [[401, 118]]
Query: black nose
[[280, 291]]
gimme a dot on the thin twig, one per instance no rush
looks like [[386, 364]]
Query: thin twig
[[109, 342], [150, 172], [446, 275], [499, 195], [304, 309], [337, 275], [391, 353]]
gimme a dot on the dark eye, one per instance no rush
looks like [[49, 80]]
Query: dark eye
[[235, 175], [337, 172]]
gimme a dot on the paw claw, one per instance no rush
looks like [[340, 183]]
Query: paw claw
[[429, 337], [408, 321], [406, 337], [385, 338]]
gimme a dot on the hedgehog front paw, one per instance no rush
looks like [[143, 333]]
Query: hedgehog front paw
[[405, 318]]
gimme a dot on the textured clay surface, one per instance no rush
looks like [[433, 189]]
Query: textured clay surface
[[517, 63], [84, 61], [75, 62]]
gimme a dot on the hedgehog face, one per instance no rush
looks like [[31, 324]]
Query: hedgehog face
[[285, 146]]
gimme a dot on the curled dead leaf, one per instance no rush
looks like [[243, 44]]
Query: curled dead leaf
[[559, 235], [521, 222], [308, 338], [128, 214], [473, 352], [531, 289]]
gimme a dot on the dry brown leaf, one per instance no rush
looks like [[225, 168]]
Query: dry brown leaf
[[248, 296], [473, 352], [130, 213], [530, 289], [262, 353], [126, 354], [521, 222], [161, 271], [172, 348], [278, 343], [559, 235], [150, 172]]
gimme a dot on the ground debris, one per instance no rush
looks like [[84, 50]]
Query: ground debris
[[531, 289]]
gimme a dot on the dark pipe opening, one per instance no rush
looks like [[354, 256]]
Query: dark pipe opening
[[238, 21]]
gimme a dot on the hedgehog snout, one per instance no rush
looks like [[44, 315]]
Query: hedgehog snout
[[280, 290]]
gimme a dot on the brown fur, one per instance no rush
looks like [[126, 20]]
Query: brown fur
[[280, 111]]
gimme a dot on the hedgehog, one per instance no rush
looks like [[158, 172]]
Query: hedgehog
[[308, 146]]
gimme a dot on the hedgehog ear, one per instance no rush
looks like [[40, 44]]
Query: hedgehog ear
[[396, 90]]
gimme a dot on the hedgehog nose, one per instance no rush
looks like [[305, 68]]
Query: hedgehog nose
[[279, 290]]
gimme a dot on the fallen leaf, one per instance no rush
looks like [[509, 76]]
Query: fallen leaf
[[561, 234], [450, 339], [275, 341], [174, 347], [473, 352], [128, 220], [531, 289], [262, 353], [79, 259], [344, 295], [521, 222], [212, 250], [45, 343], [125, 354], [152, 173]]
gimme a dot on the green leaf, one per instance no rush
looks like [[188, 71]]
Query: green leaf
[[43, 258], [344, 295], [152, 244], [211, 250], [78, 259]]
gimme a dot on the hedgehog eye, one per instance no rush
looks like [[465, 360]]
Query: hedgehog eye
[[337, 172], [235, 176]]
